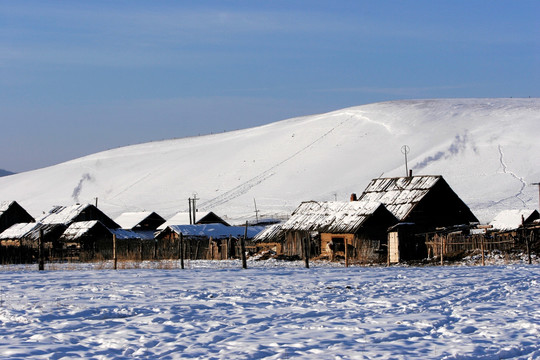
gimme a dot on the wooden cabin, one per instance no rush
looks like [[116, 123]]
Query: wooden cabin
[[422, 204], [353, 230], [91, 240], [13, 213], [20, 242]]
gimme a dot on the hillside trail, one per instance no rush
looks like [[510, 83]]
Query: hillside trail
[[244, 187]]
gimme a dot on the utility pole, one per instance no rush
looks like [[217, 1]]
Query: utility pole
[[190, 214], [538, 184], [194, 208], [256, 211]]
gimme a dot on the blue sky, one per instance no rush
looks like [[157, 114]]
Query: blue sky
[[77, 77]]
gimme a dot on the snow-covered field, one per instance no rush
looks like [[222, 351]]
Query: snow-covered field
[[273, 310]]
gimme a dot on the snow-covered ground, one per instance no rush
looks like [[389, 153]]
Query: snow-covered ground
[[272, 310], [484, 148]]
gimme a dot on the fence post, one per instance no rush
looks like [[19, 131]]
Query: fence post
[[482, 249], [115, 258], [529, 239], [40, 251], [346, 241], [243, 247], [306, 251], [181, 250], [442, 250]]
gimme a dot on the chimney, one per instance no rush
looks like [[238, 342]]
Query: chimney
[[410, 173], [353, 197]]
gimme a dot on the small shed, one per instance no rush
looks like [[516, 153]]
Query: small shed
[[13, 213], [355, 230], [91, 240], [205, 241], [140, 221], [423, 203], [271, 238]]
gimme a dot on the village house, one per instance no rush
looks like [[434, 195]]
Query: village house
[[12, 213], [91, 240], [23, 238], [353, 230], [421, 204], [19, 243]]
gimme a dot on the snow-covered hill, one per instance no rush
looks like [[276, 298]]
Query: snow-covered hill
[[485, 148]]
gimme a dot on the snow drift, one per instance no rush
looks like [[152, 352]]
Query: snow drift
[[484, 148]]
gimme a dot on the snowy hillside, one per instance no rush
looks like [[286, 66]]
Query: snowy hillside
[[486, 149]]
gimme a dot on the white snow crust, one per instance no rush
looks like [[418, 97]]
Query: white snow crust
[[484, 148], [272, 310]]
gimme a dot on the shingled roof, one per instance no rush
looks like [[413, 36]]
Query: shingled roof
[[402, 195], [79, 229], [399, 195], [79, 212], [31, 231], [331, 216]]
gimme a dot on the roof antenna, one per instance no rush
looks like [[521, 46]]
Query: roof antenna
[[405, 149]]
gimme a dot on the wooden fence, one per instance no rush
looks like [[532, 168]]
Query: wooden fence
[[98, 249]]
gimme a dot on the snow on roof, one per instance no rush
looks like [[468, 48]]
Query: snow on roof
[[4, 205], [272, 232], [399, 195], [27, 230], [182, 218], [511, 219], [330, 216], [129, 220], [123, 234], [216, 231], [17, 231], [79, 228], [63, 214]]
